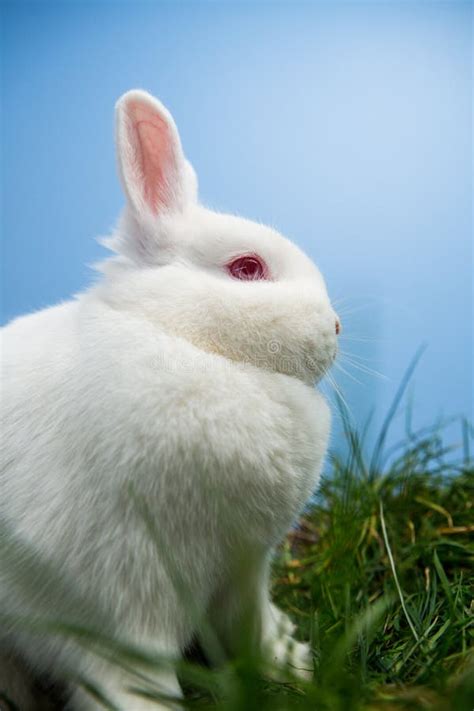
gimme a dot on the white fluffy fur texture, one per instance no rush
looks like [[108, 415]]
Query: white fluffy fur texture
[[170, 395]]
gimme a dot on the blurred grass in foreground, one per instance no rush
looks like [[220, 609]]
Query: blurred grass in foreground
[[378, 575]]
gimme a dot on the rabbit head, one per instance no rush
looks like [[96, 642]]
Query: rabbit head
[[225, 284]]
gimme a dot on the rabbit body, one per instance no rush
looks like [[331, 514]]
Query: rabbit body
[[161, 432]]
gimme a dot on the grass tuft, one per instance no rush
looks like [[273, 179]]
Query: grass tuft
[[381, 566]]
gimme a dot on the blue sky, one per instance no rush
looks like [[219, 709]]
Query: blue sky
[[345, 125]]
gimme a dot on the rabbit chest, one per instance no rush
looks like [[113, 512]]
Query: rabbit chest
[[226, 450]]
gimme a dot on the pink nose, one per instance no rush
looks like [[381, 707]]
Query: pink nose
[[338, 327]]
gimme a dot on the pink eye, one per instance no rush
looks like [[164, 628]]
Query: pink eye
[[248, 267]]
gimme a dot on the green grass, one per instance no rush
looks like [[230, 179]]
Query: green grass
[[378, 575]]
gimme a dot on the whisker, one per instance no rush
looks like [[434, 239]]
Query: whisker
[[338, 392], [360, 364], [365, 369], [355, 356], [346, 337], [356, 308], [365, 300], [346, 372], [340, 300]]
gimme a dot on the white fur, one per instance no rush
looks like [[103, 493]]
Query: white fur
[[171, 386]]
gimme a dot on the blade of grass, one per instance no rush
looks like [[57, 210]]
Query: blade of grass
[[394, 572], [444, 582], [380, 443]]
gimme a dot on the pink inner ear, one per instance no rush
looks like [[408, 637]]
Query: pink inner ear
[[155, 160]]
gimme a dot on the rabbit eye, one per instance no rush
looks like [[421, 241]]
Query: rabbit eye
[[248, 267]]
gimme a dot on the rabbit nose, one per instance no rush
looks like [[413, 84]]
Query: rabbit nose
[[338, 327]]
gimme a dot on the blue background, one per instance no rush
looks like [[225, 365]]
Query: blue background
[[345, 125]]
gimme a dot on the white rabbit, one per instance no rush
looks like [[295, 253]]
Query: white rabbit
[[183, 381]]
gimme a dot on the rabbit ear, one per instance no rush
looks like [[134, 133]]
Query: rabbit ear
[[152, 166]]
